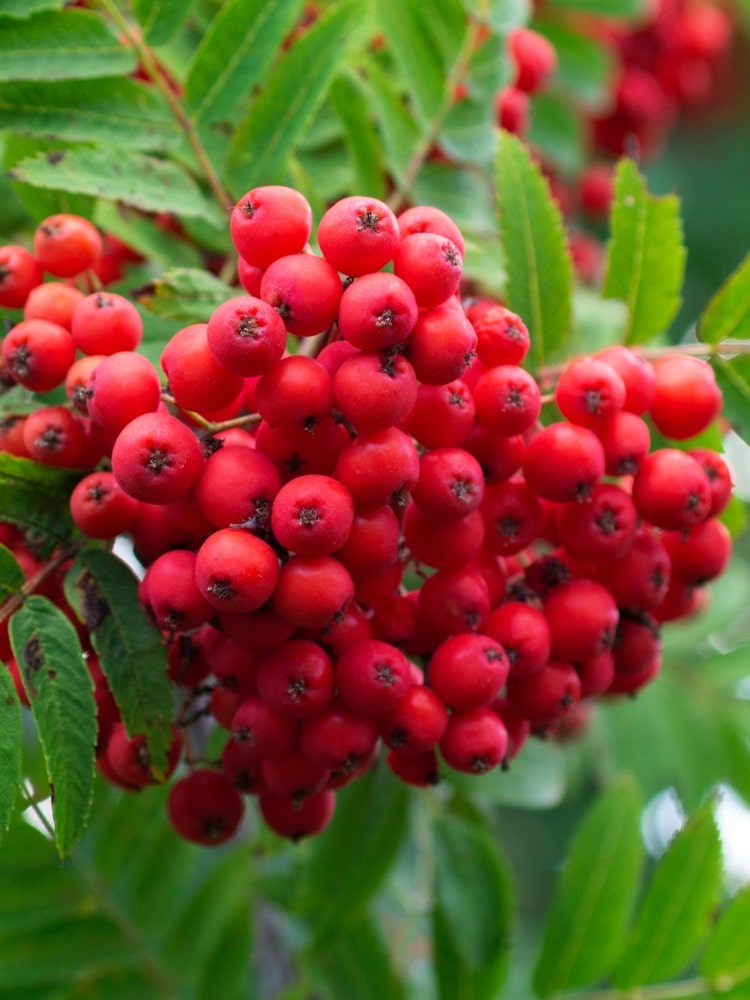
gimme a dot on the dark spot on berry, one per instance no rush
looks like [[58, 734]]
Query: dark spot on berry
[[308, 516], [247, 327], [607, 521], [158, 460], [297, 689], [385, 318], [367, 220], [384, 675], [222, 589]]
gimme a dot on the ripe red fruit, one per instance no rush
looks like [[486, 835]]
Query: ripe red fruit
[[246, 335], [38, 354], [100, 507], [296, 679], [313, 590], [376, 311], [372, 677], [288, 818], [54, 436], [205, 807], [582, 616], [105, 323], [534, 57], [65, 245], [305, 291], [686, 398], [270, 222], [428, 219], [564, 462], [508, 400], [475, 741], [312, 515], [55, 301], [589, 391], [431, 266], [468, 671], [156, 458], [524, 634], [502, 337], [20, 272], [236, 488], [671, 490], [547, 694], [236, 571], [358, 234], [417, 723], [196, 380]]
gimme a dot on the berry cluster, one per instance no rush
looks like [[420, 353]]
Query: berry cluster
[[373, 540]]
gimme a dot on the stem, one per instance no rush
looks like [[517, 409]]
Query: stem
[[724, 349], [660, 991], [155, 73], [129, 930], [422, 149], [15, 601]]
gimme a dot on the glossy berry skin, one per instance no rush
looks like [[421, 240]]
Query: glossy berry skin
[[20, 272], [589, 391], [601, 529], [338, 738], [534, 57], [270, 222], [508, 400], [358, 234], [431, 266], [235, 571], [38, 354], [100, 508], [637, 374], [295, 820], [686, 397], [196, 380], [65, 245], [205, 807], [121, 387], [246, 335], [105, 323], [626, 440], [262, 730], [419, 769], [375, 390], [313, 590], [428, 219], [376, 311], [442, 345], [297, 391], [582, 617], [52, 435], [640, 578], [296, 679], [564, 462], [442, 415], [379, 468], [451, 483], [700, 554], [236, 488], [546, 695], [475, 741], [156, 458], [468, 671], [55, 301], [502, 337], [524, 633], [372, 677], [173, 599], [417, 723], [512, 110], [443, 542], [719, 476], [304, 290], [513, 516], [671, 490], [312, 515]]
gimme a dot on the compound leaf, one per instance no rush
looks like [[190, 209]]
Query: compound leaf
[[187, 294], [161, 19], [728, 313], [595, 895], [37, 498], [675, 913], [11, 737], [60, 690], [265, 138], [726, 954], [103, 590], [115, 110], [61, 45], [540, 274], [646, 255], [11, 573], [137, 179], [235, 54], [472, 908]]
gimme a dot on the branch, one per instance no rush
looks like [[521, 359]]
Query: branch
[[156, 75]]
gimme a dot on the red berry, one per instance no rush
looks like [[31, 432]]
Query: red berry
[[65, 245], [270, 222], [205, 807], [358, 234]]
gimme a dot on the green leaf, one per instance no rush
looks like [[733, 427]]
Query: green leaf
[[114, 110], [25, 8], [161, 19], [557, 131], [585, 68], [11, 740], [472, 898], [60, 689], [184, 293], [726, 954], [469, 132], [595, 895], [675, 913], [37, 497], [455, 979], [540, 273], [399, 132], [61, 45], [605, 8], [11, 574], [733, 377], [502, 15], [137, 179], [728, 313], [355, 964], [408, 26], [235, 54], [285, 106], [363, 145], [646, 254], [342, 872], [103, 590], [145, 236]]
